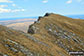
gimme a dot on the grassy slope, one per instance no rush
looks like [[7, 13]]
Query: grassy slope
[[74, 26], [24, 40], [43, 42]]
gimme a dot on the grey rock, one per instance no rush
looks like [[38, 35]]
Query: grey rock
[[14, 50]]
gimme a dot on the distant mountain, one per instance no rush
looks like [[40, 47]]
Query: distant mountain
[[18, 24], [17, 18], [76, 16]]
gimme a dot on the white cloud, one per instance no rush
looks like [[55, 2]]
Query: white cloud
[[4, 10], [10, 10], [14, 5], [7, 1], [3, 6], [22, 9], [69, 1], [17, 10], [45, 1]]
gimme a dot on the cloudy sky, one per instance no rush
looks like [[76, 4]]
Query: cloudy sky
[[27, 8]]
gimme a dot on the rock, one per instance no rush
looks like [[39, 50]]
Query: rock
[[2, 54], [47, 14], [75, 40], [14, 50], [7, 45], [50, 30], [5, 55], [31, 29], [39, 18], [37, 22]]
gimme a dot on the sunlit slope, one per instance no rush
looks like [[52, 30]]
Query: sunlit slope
[[61, 31], [51, 35], [15, 43]]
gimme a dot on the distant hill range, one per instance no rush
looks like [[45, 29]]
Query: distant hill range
[[19, 24], [36, 17], [17, 18]]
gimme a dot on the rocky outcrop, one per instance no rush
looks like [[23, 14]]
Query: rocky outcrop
[[47, 14]]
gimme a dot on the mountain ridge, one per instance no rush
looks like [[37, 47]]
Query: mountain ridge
[[50, 35], [60, 27]]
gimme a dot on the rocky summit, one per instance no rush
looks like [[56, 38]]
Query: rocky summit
[[50, 35]]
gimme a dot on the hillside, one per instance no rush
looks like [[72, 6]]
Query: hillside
[[51, 35], [59, 31]]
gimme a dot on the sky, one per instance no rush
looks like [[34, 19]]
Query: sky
[[29, 8]]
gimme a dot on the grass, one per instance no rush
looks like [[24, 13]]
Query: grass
[[48, 45]]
